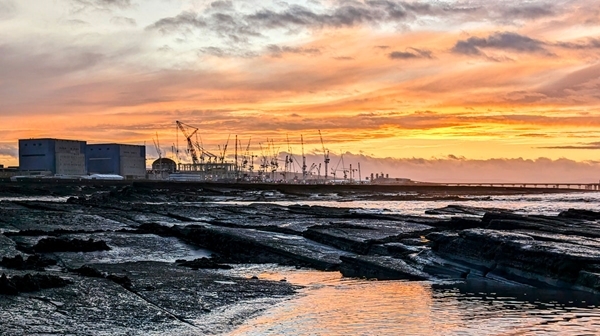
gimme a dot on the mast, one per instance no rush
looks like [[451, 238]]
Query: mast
[[236, 158], [325, 155], [303, 159]]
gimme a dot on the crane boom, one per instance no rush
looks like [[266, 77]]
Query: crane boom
[[225, 149], [157, 146], [188, 137]]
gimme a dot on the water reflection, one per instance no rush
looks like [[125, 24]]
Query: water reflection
[[332, 305]]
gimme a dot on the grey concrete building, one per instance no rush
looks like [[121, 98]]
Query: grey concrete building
[[52, 156], [128, 161]]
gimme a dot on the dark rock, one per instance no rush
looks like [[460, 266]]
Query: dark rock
[[360, 239], [202, 263], [589, 280], [88, 271], [580, 214], [254, 246], [489, 216], [7, 286], [454, 209], [122, 280], [48, 245], [34, 262], [461, 223], [380, 267], [159, 230], [518, 256], [56, 232], [30, 283]]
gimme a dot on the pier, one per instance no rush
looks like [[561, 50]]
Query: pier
[[582, 186]]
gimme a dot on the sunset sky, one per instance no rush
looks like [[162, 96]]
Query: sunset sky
[[511, 85]]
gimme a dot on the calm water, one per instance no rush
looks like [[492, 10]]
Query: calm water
[[332, 305], [550, 204]]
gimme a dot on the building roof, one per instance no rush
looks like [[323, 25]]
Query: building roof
[[54, 139], [114, 144], [164, 161]]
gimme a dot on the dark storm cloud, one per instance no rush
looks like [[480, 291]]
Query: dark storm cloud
[[410, 53], [500, 40]]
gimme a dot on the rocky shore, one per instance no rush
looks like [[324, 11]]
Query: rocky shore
[[150, 259]]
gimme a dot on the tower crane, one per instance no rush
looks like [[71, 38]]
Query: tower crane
[[185, 129], [325, 155]]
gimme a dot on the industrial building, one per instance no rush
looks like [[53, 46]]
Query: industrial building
[[164, 165], [52, 157], [128, 161]]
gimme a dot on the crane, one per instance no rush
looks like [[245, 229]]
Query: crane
[[158, 151], [203, 152], [325, 155], [246, 158], [222, 158], [185, 129], [274, 160], [303, 159], [263, 161], [157, 146]]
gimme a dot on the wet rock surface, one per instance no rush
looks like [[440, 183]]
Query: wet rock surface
[[46, 245], [34, 262], [204, 263], [30, 283], [149, 259]]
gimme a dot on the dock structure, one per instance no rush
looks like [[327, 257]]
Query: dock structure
[[209, 171], [582, 186]]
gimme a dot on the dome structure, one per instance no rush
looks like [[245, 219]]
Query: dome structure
[[164, 164]]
